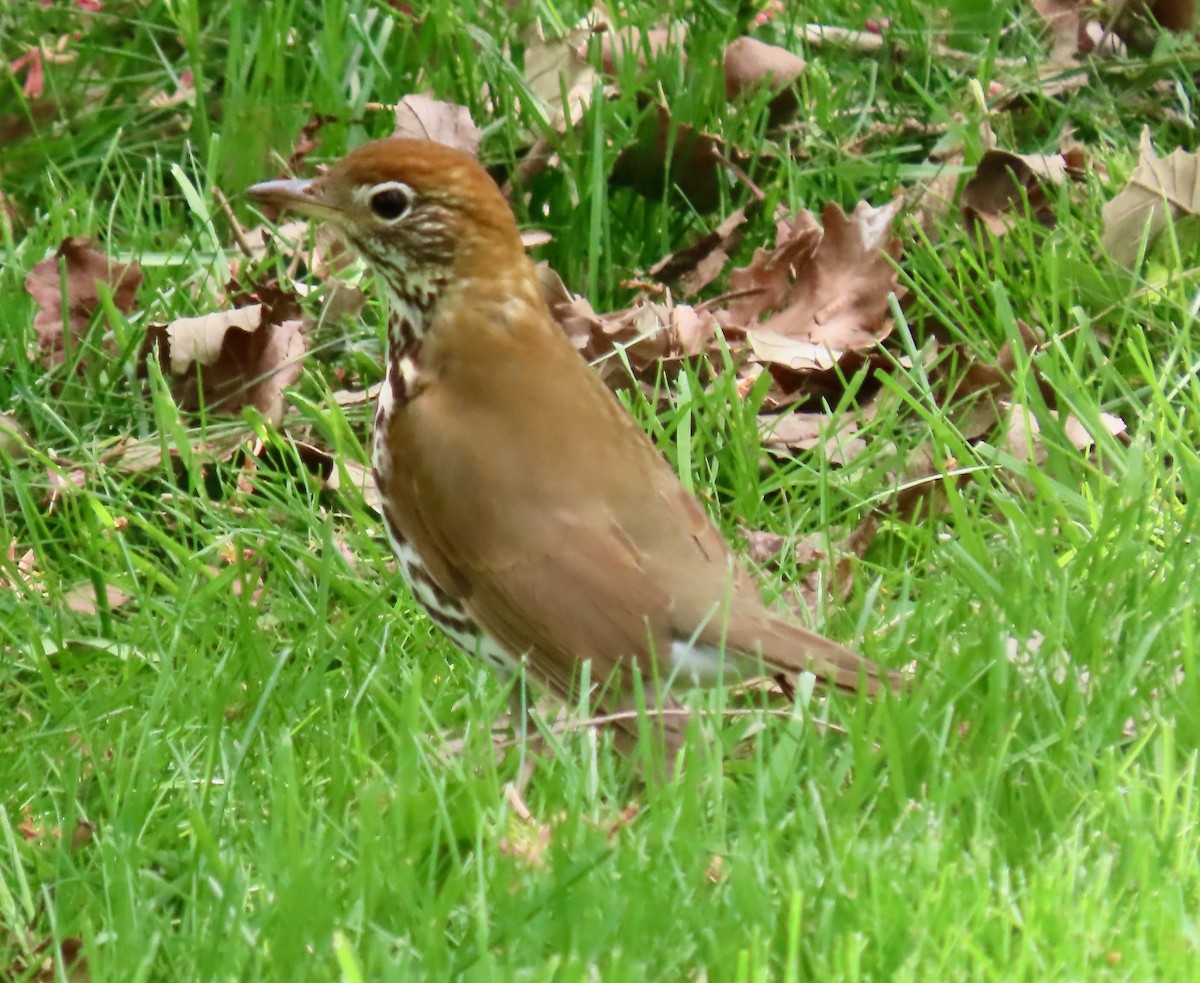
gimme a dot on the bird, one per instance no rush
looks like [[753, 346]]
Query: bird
[[531, 516]]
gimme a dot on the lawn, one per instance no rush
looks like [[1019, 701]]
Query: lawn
[[232, 748]]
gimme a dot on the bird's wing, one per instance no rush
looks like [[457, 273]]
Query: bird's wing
[[544, 536], [580, 594], [539, 505]]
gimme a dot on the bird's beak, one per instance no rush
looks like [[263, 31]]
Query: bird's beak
[[294, 195]]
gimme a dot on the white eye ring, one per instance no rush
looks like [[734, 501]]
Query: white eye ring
[[390, 201]]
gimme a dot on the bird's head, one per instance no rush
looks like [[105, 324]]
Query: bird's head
[[419, 212]]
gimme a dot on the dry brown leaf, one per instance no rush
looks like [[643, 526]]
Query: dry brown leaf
[[975, 403], [765, 284], [527, 839], [14, 441], [932, 200], [357, 397], [341, 474], [44, 966], [1022, 434], [762, 546], [184, 91], [649, 333], [1002, 180], [646, 333], [233, 358], [825, 562], [792, 432], [616, 46], [532, 238], [289, 238], [279, 303], [750, 64], [697, 265], [831, 286], [134, 455], [26, 577], [61, 482], [82, 598], [83, 269], [772, 348], [1174, 15], [828, 565], [421, 117], [666, 154], [573, 313], [558, 73], [1161, 190], [8, 209], [362, 479], [307, 141], [1066, 20]]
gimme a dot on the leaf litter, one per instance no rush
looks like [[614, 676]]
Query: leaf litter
[[811, 312]]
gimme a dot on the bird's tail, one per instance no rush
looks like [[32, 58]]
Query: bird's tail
[[789, 649]]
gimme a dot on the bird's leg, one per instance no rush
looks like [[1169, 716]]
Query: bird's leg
[[523, 725], [520, 711]]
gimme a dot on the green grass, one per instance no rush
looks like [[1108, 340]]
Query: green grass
[[258, 738]]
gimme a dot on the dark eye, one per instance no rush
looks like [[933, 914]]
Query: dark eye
[[390, 202]]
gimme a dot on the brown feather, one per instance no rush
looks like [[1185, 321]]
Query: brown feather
[[532, 499], [572, 548]]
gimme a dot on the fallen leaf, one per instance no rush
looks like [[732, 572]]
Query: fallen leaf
[[82, 598], [697, 265], [63, 482], [230, 358], [972, 391], [1022, 437], [665, 154], [792, 353], [1160, 191], [288, 238], [26, 574], [826, 566], [45, 959], [646, 333], [133, 455], [307, 141], [762, 546], [67, 284], [1066, 20], [1174, 15], [617, 46], [750, 64], [361, 478], [796, 431], [765, 284], [933, 199], [557, 71], [279, 302], [183, 93], [1003, 181], [14, 441], [422, 117], [8, 208], [357, 397], [83, 834], [532, 238], [827, 286]]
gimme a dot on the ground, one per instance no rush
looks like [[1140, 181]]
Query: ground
[[231, 747]]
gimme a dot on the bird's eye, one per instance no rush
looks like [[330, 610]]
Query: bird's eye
[[390, 201]]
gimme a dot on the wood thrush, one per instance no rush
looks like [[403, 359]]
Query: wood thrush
[[532, 518]]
